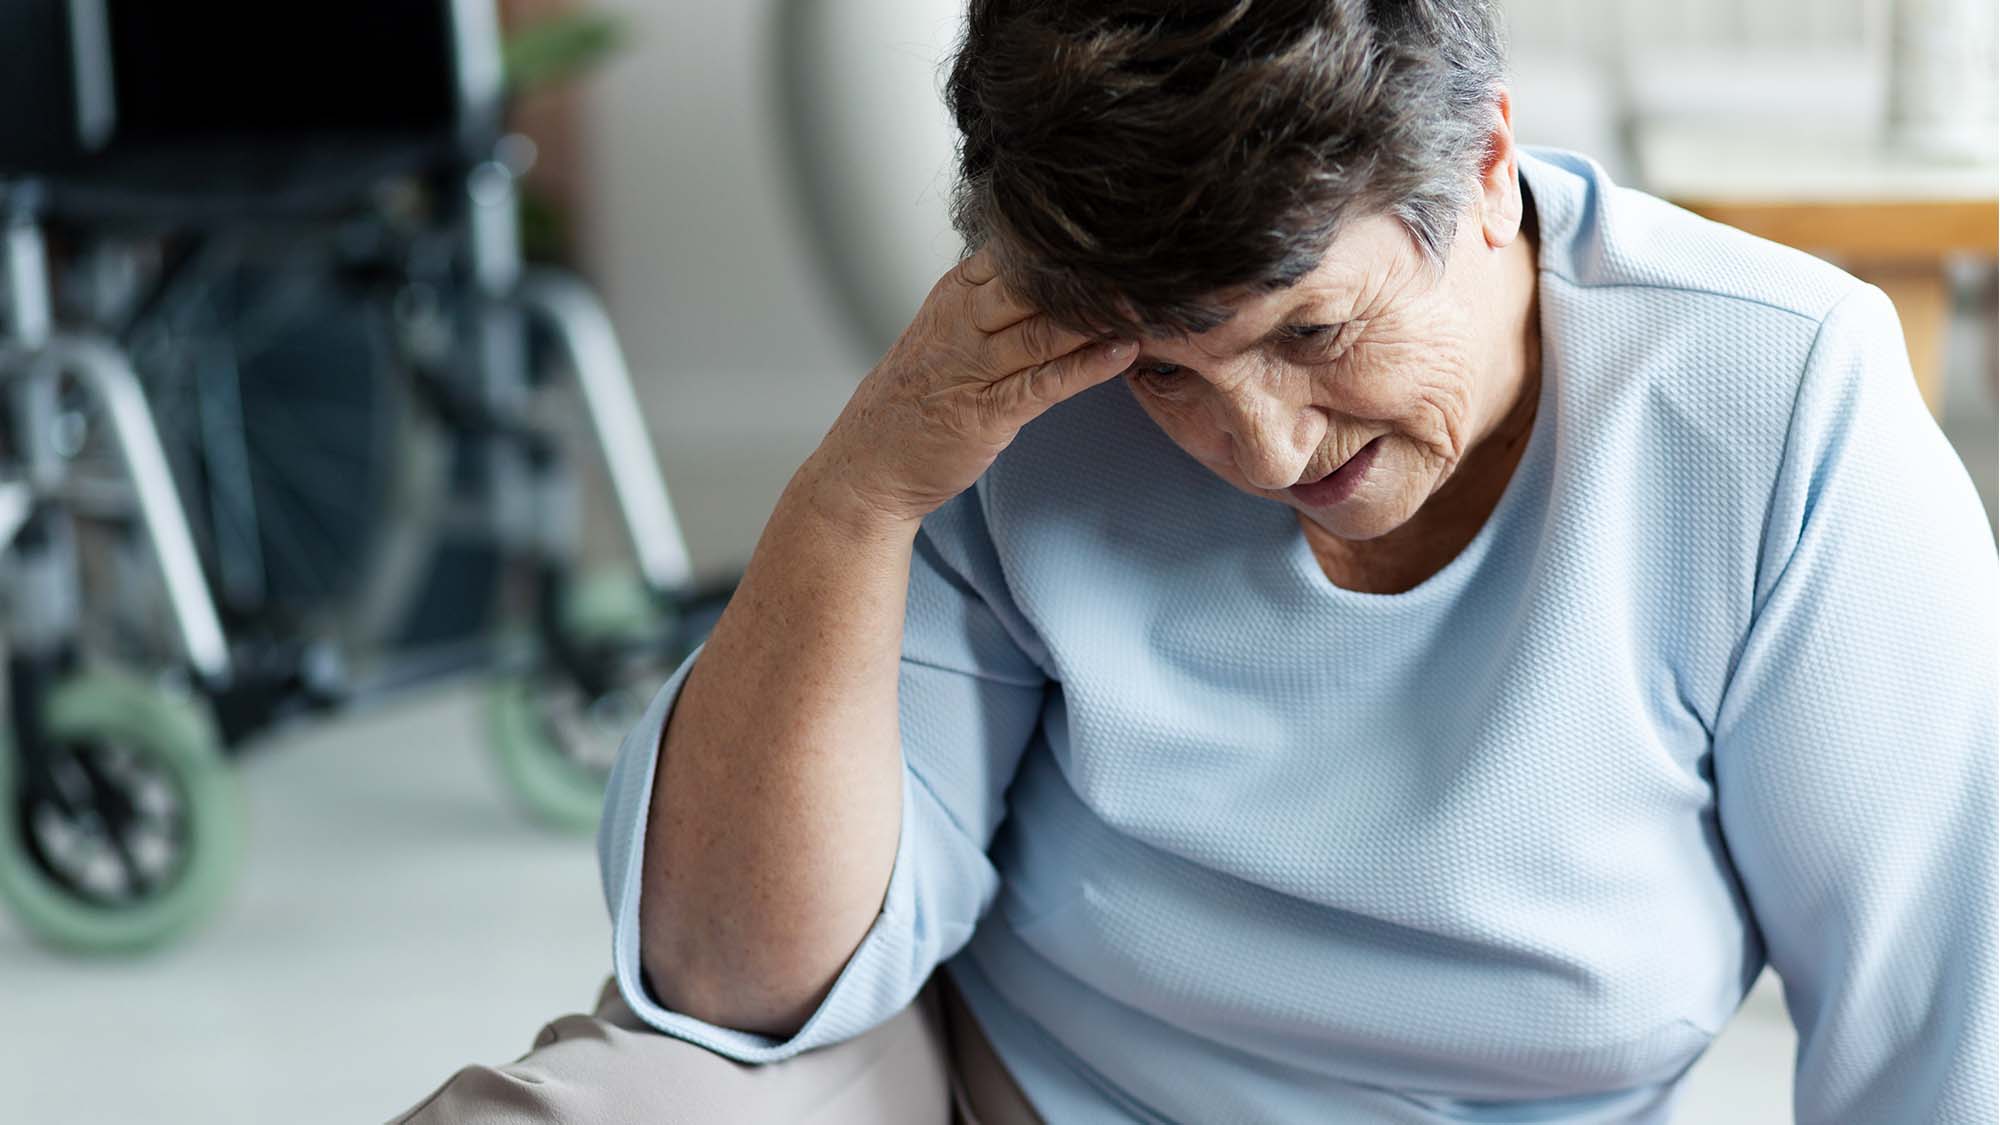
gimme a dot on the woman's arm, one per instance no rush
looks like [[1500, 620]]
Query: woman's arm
[[776, 803], [777, 799], [1855, 747]]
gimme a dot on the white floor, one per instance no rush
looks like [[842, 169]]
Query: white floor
[[397, 919]]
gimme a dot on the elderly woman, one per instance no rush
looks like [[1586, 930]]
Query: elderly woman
[[1326, 616]]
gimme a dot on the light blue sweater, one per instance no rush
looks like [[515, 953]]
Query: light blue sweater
[[1205, 838]]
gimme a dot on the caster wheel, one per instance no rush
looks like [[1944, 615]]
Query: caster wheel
[[140, 831], [553, 740]]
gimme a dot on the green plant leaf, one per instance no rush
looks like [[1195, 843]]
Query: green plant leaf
[[559, 47]]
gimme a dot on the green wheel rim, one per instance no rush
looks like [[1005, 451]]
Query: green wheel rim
[[557, 791], [174, 735], [610, 606], [555, 788]]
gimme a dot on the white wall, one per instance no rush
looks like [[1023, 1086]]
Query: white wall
[[739, 350], [1598, 26], [690, 228]]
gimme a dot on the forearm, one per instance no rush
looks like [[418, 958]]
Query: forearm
[[777, 801]]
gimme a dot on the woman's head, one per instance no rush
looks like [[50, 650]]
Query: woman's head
[[1292, 204]]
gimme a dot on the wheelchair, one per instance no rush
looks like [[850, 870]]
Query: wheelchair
[[277, 435]]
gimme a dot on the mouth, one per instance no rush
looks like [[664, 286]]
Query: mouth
[[1340, 482]]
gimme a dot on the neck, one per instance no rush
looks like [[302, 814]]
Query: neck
[[1517, 350], [1515, 379]]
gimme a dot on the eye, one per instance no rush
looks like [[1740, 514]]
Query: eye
[[1313, 339], [1157, 375]]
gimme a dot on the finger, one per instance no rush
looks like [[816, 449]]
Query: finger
[[1044, 385], [995, 307], [978, 268], [1030, 343]]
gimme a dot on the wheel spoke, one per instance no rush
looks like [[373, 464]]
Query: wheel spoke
[[116, 814], [112, 825]]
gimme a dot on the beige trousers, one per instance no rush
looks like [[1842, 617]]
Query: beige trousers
[[928, 1065]]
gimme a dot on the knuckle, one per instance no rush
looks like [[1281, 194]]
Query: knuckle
[[1043, 381], [951, 287], [967, 319], [1038, 337]]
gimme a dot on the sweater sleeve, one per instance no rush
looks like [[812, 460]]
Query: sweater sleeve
[[969, 696], [1854, 749]]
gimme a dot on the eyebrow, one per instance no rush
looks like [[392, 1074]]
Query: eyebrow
[[1330, 307]]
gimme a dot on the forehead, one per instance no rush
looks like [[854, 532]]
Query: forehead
[[1364, 257]]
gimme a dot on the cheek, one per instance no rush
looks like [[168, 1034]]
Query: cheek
[[1416, 379], [1189, 427]]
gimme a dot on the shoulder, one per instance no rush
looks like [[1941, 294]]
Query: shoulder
[[1865, 466], [1688, 340], [1635, 287], [1603, 236]]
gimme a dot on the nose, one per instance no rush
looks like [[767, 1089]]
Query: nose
[[1271, 440]]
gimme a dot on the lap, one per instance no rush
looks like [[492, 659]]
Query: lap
[[609, 1067]]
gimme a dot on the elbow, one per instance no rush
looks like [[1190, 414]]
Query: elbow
[[759, 994]]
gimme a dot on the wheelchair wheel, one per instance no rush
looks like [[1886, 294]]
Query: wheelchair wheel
[[140, 832], [553, 738], [292, 420]]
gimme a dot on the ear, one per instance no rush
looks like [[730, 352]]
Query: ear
[[1499, 182]]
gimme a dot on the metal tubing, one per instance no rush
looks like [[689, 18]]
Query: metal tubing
[[103, 371], [17, 500], [580, 323], [27, 322], [45, 605]]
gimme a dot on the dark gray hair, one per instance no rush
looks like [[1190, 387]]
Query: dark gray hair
[[1129, 163]]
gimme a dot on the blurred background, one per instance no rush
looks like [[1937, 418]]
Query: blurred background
[[382, 419]]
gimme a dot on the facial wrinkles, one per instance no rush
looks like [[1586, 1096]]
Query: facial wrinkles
[[1414, 346], [1265, 417], [1417, 388], [1419, 362], [1249, 402]]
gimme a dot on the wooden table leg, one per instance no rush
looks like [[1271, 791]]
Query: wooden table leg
[[1922, 295]]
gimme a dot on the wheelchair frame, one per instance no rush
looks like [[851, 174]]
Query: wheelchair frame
[[34, 355]]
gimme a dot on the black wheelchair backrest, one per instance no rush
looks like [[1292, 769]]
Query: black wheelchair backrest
[[92, 90]]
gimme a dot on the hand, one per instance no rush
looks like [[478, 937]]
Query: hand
[[973, 367]]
